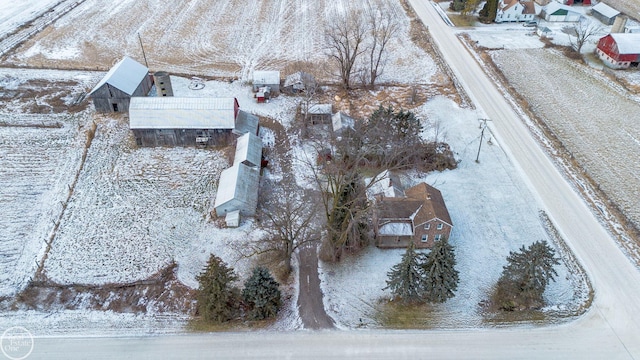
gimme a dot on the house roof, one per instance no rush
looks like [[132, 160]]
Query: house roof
[[605, 10], [434, 206], [398, 208], [507, 4], [249, 149], [266, 77], [396, 228], [320, 109], [246, 123], [554, 8], [239, 182], [126, 75], [182, 113], [628, 43], [529, 7], [387, 184], [341, 121]]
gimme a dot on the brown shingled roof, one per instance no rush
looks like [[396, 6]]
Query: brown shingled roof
[[433, 204]]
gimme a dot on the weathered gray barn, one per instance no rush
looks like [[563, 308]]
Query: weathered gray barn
[[248, 150], [238, 190], [267, 78], [319, 114], [125, 80], [605, 13], [176, 121]]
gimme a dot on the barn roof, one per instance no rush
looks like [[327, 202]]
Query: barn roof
[[266, 77], [628, 43], [239, 182], [249, 149], [320, 109], [605, 10], [554, 8], [246, 123], [182, 113], [341, 121], [126, 75]]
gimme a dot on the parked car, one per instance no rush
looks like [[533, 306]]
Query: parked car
[[530, 24]]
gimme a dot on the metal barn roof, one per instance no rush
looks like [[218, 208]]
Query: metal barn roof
[[605, 10], [126, 75], [248, 149], [266, 77], [239, 182], [182, 113], [628, 43], [246, 123]]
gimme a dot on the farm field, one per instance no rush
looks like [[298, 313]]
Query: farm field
[[230, 38], [590, 115]]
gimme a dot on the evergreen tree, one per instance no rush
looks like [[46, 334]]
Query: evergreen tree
[[489, 11], [441, 275], [457, 5], [526, 276], [216, 297], [262, 294], [406, 279]]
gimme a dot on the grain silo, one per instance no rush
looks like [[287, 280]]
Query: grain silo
[[163, 83]]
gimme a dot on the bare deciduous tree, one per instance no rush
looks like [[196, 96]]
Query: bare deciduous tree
[[345, 37], [581, 32], [382, 28]]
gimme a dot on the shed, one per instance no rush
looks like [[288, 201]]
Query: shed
[[171, 121], [341, 122], [319, 114], [248, 150], [544, 32], [299, 82], [267, 78], [555, 12], [124, 80], [238, 190], [232, 219], [605, 13], [620, 50]]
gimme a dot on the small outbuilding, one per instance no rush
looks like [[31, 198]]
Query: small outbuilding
[[544, 32], [238, 190], [318, 114], [605, 13], [126, 79], [176, 121], [269, 79], [341, 122], [298, 82], [556, 12], [620, 50]]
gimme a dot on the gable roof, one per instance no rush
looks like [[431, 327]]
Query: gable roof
[[433, 204], [266, 77], [341, 121], [126, 75], [628, 43], [239, 182], [387, 184], [554, 8], [507, 4], [300, 78], [605, 10], [529, 7], [246, 123], [319, 109], [248, 150], [182, 113], [398, 208]]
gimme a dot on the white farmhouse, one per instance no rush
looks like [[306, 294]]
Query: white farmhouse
[[515, 10]]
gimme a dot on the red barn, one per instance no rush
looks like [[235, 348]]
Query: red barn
[[620, 50]]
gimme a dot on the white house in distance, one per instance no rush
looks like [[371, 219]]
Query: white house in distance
[[270, 79], [515, 10], [556, 12]]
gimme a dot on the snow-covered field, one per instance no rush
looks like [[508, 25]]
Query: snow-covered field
[[15, 13], [230, 38], [493, 212], [600, 129]]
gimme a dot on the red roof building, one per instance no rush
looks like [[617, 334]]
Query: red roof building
[[620, 50]]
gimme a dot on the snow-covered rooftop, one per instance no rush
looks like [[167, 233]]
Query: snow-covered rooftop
[[396, 229], [182, 113], [238, 183], [126, 75], [248, 150], [605, 10], [319, 109], [628, 43]]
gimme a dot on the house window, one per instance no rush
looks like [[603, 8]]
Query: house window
[[438, 237], [440, 226], [427, 226], [425, 238]]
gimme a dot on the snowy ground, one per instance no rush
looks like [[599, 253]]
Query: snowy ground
[[15, 13], [493, 212], [230, 39]]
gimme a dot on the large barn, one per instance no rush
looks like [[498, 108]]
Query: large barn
[[126, 79], [620, 50], [176, 121]]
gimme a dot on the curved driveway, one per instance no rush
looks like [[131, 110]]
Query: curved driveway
[[609, 330]]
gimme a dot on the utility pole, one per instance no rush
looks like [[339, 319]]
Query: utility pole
[[143, 54], [483, 125]]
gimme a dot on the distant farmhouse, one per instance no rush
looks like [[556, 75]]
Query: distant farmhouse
[[416, 215], [555, 12], [515, 10], [620, 50], [125, 80], [177, 121], [270, 79]]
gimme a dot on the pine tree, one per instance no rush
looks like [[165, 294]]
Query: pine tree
[[457, 5], [262, 294], [489, 11], [526, 276], [441, 275], [406, 279], [216, 297]]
